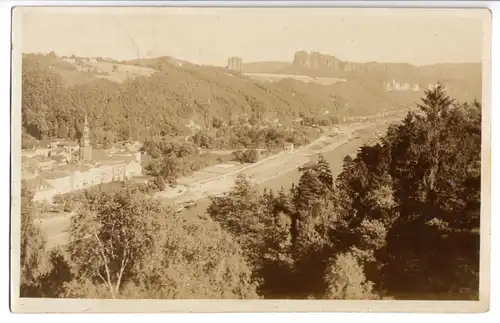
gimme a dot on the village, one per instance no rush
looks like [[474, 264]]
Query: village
[[64, 166]]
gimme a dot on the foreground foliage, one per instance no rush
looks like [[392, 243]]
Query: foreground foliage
[[127, 244], [401, 220], [32, 245]]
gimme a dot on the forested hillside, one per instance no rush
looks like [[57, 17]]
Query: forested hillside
[[178, 100], [401, 221], [168, 102]]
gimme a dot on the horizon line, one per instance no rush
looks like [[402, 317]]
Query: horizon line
[[253, 62]]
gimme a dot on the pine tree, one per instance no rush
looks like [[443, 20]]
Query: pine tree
[[269, 201], [435, 105], [324, 172], [282, 204], [308, 191], [245, 215], [271, 194]]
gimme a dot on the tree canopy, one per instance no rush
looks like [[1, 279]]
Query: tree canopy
[[128, 244]]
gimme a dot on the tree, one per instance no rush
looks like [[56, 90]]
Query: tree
[[283, 202], [159, 183], [435, 103], [404, 203], [217, 122], [433, 156], [253, 120], [125, 244], [32, 249], [252, 156], [53, 281], [372, 235], [247, 156], [243, 214], [171, 168], [238, 155], [110, 235], [202, 140], [313, 245], [27, 141], [324, 172], [197, 259], [346, 279], [263, 234], [308, 190]]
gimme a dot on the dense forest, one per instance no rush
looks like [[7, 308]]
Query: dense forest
[[401, 221]]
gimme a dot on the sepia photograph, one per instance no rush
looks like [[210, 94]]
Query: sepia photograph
[[250, 159]]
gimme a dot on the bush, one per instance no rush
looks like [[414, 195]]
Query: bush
[[159, 183], [252, 156], [346, 279], [247, 156]]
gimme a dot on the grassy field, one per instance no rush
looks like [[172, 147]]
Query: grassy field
[[120, 72], [271, 77]]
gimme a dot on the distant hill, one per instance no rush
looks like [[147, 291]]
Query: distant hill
[[314, 64], [452, 70]]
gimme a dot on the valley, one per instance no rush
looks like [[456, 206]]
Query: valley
[[191, 197]]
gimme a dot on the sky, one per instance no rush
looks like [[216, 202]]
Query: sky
[[211, 35]]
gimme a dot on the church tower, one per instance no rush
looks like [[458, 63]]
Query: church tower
[[85, 147]]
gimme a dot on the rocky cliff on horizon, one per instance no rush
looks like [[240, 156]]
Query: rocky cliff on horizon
[[319, 60]]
